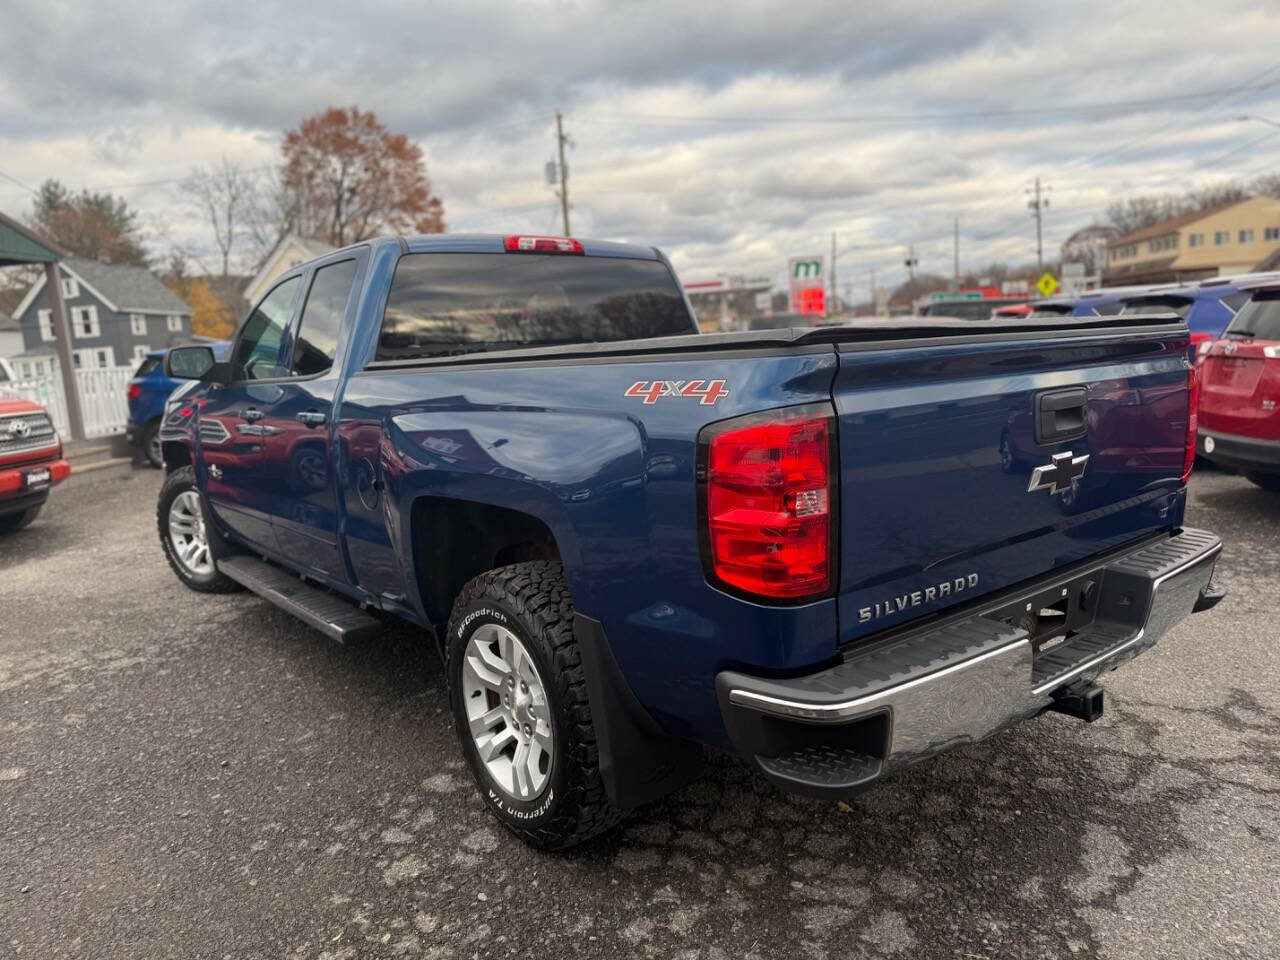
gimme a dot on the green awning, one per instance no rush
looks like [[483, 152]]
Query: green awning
[[19, 244]]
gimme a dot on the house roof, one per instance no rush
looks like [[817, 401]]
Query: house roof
[[127, 288], [8, 323], [1174, 223], [314, 248], [1138, 269]]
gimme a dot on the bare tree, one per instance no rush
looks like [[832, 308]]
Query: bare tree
[[224, 195], [272, 213], [1135, 213]]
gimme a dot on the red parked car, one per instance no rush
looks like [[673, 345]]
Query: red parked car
[[31, 461], [1239, 424]]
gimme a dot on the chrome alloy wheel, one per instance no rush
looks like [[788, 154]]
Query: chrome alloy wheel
[[187, 534], [507, 712], [155, 448]]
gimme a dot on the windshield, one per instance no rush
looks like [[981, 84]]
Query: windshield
[[146, 368], [1259, 318], [1052, 310], [964, 309], [1145, 307]]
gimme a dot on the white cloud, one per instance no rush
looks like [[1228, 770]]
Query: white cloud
[[907, 116]]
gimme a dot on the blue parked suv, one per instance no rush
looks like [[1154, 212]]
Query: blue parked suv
[[1207, 306], [147, 392]]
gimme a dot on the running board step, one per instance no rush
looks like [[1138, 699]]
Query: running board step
[[329, 613]]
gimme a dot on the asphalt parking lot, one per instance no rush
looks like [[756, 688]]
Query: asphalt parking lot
[[192, 776]]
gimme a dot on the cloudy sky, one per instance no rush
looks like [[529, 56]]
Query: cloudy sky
[[729, 135]]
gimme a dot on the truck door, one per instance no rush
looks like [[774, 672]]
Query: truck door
[[230, 422], [299, 461]]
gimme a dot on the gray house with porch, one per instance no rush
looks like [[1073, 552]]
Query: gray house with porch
[[116, 314]]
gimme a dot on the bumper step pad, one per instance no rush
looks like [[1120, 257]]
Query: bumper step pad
[[334, 616], [824, 767]]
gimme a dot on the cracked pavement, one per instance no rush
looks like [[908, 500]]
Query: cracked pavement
[[202, 776]]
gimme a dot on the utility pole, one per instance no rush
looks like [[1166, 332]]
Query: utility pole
[[561, 140], [911, 261], [1038, 205], [831, 309], [955, 248], [66, 363]]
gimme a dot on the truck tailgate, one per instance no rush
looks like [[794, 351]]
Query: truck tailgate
[[940, 440]]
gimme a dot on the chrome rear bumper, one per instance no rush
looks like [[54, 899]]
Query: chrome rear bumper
[[924, 691]]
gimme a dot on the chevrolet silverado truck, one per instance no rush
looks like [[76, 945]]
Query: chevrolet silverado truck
[[31, 461], [631, 542]]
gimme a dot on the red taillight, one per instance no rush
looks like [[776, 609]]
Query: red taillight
[[526, 244], [133, 391], [768, 502], [1193, 408]]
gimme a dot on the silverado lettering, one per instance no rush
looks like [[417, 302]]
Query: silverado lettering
[[917, 597]]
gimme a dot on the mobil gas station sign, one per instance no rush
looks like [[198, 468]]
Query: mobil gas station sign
[[807, 277]]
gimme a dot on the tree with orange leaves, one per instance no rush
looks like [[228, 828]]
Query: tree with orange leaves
[[348, 178]]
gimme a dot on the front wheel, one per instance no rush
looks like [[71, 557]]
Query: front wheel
[[191, 544], [13, 522], [1267, 481], [519, 699]]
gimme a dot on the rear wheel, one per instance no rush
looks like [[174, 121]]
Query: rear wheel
[[192, 545], [13, 522], [520, 706], [1267, 481], [151, 444]]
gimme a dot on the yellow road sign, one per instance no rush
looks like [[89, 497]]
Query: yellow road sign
[[1047, 284]]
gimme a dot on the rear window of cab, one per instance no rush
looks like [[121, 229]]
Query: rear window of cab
[[441, 304]]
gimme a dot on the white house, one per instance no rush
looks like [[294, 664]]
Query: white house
[[288, 253]]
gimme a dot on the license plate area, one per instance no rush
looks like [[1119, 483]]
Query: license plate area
[[37, 479], [1052, 615]]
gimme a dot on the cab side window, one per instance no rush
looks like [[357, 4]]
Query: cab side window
[[258, 351], [326, 305]]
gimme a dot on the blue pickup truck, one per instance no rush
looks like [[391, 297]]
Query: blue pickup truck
[[631, 542]]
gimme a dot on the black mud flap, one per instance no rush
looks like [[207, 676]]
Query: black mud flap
[[638, 761]]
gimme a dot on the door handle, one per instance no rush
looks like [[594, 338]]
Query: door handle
[[312, 418], [252, 414]]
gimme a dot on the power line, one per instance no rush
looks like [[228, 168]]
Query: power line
[[18, 182], [923, 116]]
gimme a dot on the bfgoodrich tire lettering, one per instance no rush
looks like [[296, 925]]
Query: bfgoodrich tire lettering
[[531, 601]]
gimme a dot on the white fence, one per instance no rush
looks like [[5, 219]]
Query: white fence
[[102, 398]]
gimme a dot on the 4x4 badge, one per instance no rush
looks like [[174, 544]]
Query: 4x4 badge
[[1058, 474], [707, 391]]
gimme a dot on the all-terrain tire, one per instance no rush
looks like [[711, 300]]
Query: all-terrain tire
[[183, 480], [532, 601]]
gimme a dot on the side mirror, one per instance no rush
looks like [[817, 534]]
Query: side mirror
[[189, 363]]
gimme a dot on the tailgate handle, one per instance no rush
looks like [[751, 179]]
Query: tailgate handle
[[1060, 415]]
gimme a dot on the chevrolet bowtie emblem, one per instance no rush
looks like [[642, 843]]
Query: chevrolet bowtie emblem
[[1058, 475]]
